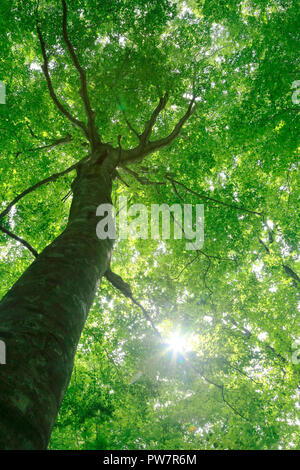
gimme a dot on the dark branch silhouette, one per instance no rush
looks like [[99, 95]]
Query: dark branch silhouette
[[54, 98], [149, 125], [92, 131], [202, 196], [21, 240], [146, 146], [53, 177], [55, 143]]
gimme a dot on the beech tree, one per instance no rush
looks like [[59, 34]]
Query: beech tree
[[160, 102]]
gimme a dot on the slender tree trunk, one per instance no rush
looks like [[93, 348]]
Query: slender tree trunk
[[42, 316]]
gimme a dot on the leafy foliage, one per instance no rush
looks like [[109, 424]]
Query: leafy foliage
[[235, 301]]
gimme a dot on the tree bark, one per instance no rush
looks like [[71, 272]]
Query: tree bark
[[42, 316]]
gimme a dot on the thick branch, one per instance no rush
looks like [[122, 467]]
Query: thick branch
[[146, 147], [149, 126], [291, 273], [56, 101], [157, 144], [93, 134], [19, 239], [264, 245]]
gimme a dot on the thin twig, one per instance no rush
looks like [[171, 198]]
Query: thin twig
[[141, 179], [55, 143], [202, 196]]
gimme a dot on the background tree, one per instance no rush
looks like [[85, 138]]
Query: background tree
[[162, 102]]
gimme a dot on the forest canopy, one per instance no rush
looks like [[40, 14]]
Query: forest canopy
[[181, 349]]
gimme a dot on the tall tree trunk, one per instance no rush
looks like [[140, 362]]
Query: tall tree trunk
[[42, 316]]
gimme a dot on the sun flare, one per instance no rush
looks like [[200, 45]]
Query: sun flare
[[177, 343]]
